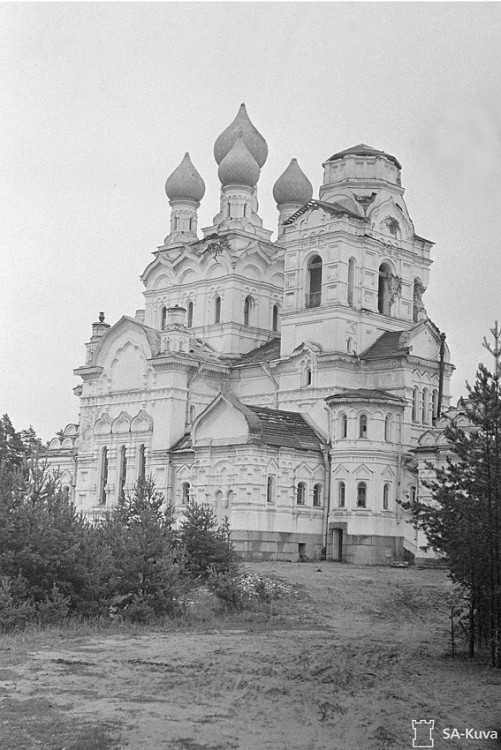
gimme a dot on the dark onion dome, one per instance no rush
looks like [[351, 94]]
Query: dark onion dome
[[292, 186], [239, 167], [185, 183], [363, 150], [241, 127]]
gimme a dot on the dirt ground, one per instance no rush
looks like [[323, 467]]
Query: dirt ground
[[345, 664]]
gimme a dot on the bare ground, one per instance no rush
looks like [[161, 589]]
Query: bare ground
[[345, 664]]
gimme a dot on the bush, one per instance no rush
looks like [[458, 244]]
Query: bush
[[13, 614], [243, 590], [206, 545]]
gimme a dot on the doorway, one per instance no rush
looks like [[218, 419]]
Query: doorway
[[337, 545]]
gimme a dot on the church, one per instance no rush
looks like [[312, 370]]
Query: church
[[286, 383]]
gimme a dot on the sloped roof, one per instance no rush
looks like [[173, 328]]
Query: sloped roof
[[388, 345], [286, 429], [364, 394], [333, 208], [264, 353], [363, 150]]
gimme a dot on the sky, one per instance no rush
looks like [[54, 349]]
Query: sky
[[100, 101]]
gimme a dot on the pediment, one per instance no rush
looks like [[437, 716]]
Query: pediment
[[126, 330], [363, 471]]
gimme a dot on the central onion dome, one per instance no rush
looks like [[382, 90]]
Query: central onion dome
[[239, 167], [185, 183], [292, 186], [241, 127]]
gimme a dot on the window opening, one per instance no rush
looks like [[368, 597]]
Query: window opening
[[341, 498], [123, 473], [141, 472], [383, 298], [104, 476], [301, 493], [362, 433], [269, 490], [361, 495], [386, 496], [217, 310], [190, 315], [314, 295], [317, 496], [185, 493], [351, 282]]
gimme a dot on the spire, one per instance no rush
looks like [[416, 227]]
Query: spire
[[239, 167], [292, 186], [185, 183], [241, 127]]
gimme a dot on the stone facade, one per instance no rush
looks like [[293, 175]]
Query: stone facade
[[285, 383]]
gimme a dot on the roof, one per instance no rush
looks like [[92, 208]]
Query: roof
[[264, 353], [386, 346], [286, 429], [364, 394], [363, 150], [333, 208]]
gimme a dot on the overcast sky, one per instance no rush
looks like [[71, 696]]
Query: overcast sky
[[99, 103]]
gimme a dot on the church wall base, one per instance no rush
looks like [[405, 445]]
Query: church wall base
[[372, 550], [255, 546]]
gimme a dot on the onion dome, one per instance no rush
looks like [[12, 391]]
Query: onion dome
[[239, 166], [292, 186], [185, 183], [241, 127]]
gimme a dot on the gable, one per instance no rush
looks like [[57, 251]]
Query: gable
[[222, 424], [424, 345]]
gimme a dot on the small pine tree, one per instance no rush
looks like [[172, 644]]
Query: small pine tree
[[464, 520], [207, 546]]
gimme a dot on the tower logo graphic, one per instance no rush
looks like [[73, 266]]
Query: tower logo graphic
[[423, 733]]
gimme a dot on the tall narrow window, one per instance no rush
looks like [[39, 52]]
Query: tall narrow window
[[248, 307], [351, 282], [386, 496], [383, 297], [270, 490], [163, 317], [104, 476], [362, 426], [314, 286], [274, 316], [341, 495], [190, 315], [217, 310], [185, 493], [387, 429], [344, 426], [425, 406], [301, 493], [317, 496], [434, 403], [123, 473], [361, 495], [415, 404], [141, 461]]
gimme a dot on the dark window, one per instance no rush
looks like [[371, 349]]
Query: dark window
[[190, 314], [270, 490], [163, 317], [248, 307], [344, 426], [104, 476], [217, 310], [274, 322], [362, 430], [415, 404], [351, 282], [301, 493], [185, 493], [383, 299], [425, 406], [317, 496], [123, 473], [141, 469], [386, 496], [361, 495], [314, 295], [341, 496], [387, 429]]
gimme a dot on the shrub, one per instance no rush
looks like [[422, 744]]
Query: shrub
[[206, 546]]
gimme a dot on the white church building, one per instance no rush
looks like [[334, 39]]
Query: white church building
[[285, 383]]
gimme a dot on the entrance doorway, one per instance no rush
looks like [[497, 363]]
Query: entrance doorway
[[337, 545]]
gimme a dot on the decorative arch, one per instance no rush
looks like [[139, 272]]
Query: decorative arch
[[102, 425]]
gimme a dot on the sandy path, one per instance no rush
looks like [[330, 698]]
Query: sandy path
[[346, 665]]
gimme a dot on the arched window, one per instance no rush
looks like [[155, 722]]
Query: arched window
[[386, 496], [189, 321], [274, 318], [361, 495], [341, 495], [434, 403], [192, 414], [415, 404], [383, 296], [248, 308], [317, 496], [217, 310], [307, 376], [387, 428], [185, 493], [425, 404], [141, 463], [301, 493], [349, 346], [417, 300], [123, 473], [344, 425], [103, 477], [314, 286], [270, 490], [351, 282], [362, 426], [163, 317]]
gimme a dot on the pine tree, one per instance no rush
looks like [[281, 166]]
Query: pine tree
[[463, 522]]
